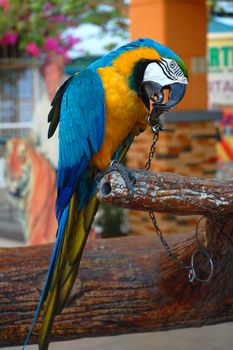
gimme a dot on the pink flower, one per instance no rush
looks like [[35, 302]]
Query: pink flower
[[51, 44], [33, 49], [4, 4], [9, 38], [61, 51], [48, 6], [71, 41], [58, 18]]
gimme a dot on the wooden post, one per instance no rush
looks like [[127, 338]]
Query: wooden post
[[129, 284]]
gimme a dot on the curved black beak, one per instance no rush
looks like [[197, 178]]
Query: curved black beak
[[150, 90], [176, 93]]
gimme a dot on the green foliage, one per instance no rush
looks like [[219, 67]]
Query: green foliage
[[215, 7], [32, 21], [112, 221]]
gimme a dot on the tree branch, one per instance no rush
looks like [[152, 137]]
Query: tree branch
[[168, 193]]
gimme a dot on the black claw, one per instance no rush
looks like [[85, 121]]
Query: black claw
[[99, 176], [126, 174]]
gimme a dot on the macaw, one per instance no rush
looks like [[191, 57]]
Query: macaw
[[99, 111]]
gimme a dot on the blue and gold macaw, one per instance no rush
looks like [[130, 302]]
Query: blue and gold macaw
[[99, 112]]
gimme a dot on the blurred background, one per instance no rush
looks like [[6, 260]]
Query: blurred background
[[42, 43]]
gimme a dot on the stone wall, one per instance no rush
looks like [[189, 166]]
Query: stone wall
[[186, 148]]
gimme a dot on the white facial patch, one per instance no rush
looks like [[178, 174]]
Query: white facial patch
[[153, 72], [164, 72]]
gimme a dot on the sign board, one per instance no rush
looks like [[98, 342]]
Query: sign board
[[220, 70]]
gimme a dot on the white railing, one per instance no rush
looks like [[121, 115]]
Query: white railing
[[16, 125]]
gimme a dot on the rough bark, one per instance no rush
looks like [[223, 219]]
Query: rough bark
[[125, 285], [130, 284], [168, 193]]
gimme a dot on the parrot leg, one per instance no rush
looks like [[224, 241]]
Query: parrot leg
[[125, 173]]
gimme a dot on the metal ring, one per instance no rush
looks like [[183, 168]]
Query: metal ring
[[192, 272], [155, 129]]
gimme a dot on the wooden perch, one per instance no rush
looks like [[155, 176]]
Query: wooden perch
[[125, 285], [129, 284], [168, 193]]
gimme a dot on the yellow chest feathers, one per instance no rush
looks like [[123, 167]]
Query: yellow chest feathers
[[125, 111], [122, 103]]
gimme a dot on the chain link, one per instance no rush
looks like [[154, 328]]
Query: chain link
[[156, 126], [155, 129], [165, 244], [152, 151]]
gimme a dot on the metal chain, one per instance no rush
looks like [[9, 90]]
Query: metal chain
[[156, 127], [165, 244], [152, 151]]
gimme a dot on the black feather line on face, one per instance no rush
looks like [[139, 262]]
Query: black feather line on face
[[166, 70], [136, 78]]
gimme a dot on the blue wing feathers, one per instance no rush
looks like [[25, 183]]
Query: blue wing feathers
[[81, 111], [81, 131]]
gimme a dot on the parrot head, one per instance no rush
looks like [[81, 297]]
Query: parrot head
[[167, 72]]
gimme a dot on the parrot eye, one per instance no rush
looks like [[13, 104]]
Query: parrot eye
[[173, 65], [174, 69]]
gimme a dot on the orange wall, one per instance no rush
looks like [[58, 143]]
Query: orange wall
[[180, 25]]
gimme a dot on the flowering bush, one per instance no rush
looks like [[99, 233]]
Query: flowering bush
[[36, 26]]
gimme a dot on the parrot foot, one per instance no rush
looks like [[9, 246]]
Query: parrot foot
[[126, 174]]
